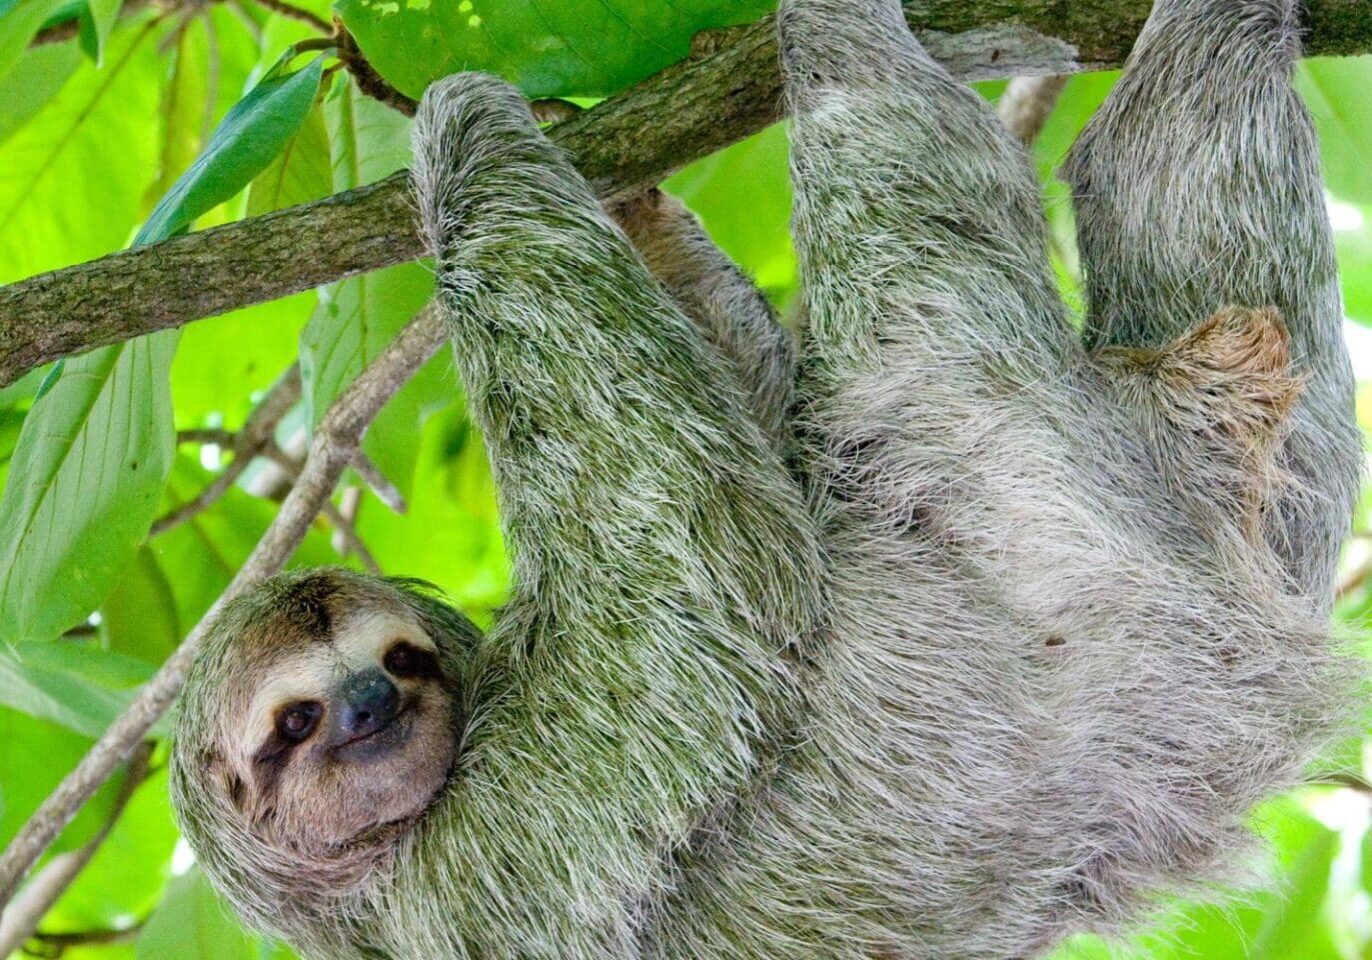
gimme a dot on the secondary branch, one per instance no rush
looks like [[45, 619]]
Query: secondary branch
[[729, 89]]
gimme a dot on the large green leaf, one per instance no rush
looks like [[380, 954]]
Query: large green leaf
[[139, 617], [356, 318], [83, 485], [299, 174], [34, 756], [79, 687], [1335, 89], [564, 48], [247, 140], [194, 924], [72, 177], [95, 451]]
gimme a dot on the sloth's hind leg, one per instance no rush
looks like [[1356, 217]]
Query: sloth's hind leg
[[1197, 187]]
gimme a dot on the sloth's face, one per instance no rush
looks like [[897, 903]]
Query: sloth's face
[[337, 732]]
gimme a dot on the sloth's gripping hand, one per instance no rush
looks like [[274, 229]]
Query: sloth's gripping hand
[[665, 567]]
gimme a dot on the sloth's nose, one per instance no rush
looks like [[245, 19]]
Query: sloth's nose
[[367, 703]]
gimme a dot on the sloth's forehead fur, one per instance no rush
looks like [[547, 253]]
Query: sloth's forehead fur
[[286, 623], [301, 612]]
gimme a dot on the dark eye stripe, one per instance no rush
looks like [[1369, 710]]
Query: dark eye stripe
[[406, 661], [298, 720]]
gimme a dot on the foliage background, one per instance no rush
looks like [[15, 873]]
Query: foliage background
[[97, 129]]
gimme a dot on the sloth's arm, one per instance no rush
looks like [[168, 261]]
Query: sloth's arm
[[664, 565], [724, 304], [1197, 188]]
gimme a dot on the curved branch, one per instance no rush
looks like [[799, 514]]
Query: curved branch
[[728, 89], [22, 917], [335, 443]]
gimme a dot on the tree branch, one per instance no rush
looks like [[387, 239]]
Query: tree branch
[[729, 90], [335, 442], [257, 432], [22, 917]]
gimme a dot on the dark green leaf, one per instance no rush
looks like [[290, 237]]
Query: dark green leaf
[[249, 137]]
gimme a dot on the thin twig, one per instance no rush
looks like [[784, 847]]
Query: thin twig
[[67, 29], [352, 543], [1026, 103], [206, 436], [53, 945], [379, 484], [1349, 781], [342, 523], [365, 76], [22, 917], [335, 442], [1354, 579], [296, 13], [248, 442]]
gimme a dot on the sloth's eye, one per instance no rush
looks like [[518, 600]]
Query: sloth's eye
[[405, 660], [298, 721]]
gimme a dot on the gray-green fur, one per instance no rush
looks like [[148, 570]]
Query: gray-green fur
[[1003, 650]]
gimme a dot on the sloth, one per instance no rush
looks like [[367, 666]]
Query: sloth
[[957, 629]]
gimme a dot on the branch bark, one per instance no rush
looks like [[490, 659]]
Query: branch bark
[[728, 90], [22, 917], [335, 443]]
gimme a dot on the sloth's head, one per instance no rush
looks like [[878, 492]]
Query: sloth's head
[[320, 720]]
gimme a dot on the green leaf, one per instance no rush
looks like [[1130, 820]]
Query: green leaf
[[40, 73], [566, 48], [249, 137], [192, 923], [139, 618], [80, 687], [19, 21], [299, 174], [126, 878], [34, 756], [224, 360], [97, 20], [1335, 89], [68, 194], [356, 318], [83, 486], [96, 449]]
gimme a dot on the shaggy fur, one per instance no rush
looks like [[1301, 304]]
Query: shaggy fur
[[1009, 644]]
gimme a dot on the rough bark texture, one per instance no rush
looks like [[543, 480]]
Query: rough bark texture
[[729, 89]]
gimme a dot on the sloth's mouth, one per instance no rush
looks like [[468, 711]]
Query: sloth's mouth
[[368, 746]]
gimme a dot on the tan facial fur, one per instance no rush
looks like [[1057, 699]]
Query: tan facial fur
[[318, 794]]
